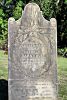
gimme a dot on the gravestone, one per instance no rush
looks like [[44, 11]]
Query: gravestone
[[32, 49]]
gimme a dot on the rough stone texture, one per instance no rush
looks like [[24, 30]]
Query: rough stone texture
[[32, 46]]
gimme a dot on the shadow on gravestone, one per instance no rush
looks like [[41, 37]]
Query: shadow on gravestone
[[3, 89]]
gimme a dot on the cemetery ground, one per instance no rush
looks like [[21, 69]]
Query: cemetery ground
[[62, 76]]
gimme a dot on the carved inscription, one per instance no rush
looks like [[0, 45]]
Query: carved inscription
[[33, 56], [39, 90]]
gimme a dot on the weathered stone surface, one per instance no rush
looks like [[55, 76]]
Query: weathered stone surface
[[32, 47]]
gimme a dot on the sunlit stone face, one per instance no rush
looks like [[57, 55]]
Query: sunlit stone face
[[32, 56]]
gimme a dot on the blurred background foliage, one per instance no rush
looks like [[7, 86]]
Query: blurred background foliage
[[50, 8]]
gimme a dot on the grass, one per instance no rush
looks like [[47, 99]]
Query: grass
[[62, 78], [3, 65], [62, 73]]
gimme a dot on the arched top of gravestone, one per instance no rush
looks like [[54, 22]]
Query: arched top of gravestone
[[32, 16], [31, 19]]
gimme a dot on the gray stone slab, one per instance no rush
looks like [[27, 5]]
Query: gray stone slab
[[32, 52]]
